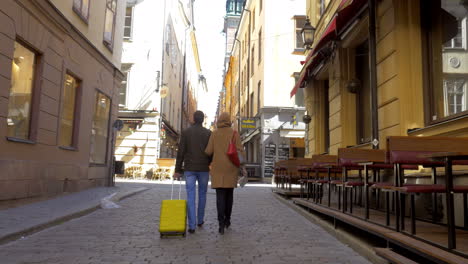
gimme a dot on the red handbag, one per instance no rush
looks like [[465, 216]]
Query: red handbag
[[232, 151]]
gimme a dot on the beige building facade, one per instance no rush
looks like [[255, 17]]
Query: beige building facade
[[59, 95], [265, 55]]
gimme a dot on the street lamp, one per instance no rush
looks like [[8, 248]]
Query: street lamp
[[308, 32]]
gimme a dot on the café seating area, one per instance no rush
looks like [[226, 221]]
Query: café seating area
[[412, 194]]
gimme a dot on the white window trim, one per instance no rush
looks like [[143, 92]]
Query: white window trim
[[464, 37], [296, 29], [131, 24], [446, 99]]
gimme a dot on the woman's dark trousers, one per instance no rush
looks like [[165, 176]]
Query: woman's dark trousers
[[224, 199]]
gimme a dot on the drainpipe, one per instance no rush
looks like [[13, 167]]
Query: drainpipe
[[373, 73]]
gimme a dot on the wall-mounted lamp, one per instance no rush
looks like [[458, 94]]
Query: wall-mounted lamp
[[353, 85], [308, 32]]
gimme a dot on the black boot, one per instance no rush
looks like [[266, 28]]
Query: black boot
[[228, 224], [221, 228]]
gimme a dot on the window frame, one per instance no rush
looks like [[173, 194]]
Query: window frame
[[79, 11], [360, 121], [464, 102], [106, 156], [252, 61], [129, 38], [76, 112], [127, 74], [259, 46], [426, 16], [298, 49], [36, 89], [259, 90], [322, 6], [110, 44], [463, 37]]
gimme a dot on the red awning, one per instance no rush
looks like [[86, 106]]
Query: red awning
[[314, 58], [346, 11]]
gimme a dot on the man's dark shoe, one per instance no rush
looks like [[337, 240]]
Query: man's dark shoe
[[221, 230], [200, 225], [191, 231], [228, 223]]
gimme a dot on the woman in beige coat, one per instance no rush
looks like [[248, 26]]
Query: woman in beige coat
[[224, 173]]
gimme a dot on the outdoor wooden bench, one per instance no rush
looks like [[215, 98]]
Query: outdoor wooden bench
[[430, 152], [360, 160]]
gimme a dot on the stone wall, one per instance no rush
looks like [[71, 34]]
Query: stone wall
[[40, 167]]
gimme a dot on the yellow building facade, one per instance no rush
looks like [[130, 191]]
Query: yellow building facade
[[413, 92]]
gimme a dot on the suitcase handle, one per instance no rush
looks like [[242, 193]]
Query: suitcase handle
[[172, 187]]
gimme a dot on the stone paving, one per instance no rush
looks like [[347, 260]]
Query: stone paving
[[263, 230]]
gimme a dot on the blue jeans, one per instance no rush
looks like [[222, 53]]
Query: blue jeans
[[191, 177]]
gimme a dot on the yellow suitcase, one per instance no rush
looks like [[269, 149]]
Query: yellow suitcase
[[173, 216]]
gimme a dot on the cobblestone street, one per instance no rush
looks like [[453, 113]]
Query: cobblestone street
[[263, 230]]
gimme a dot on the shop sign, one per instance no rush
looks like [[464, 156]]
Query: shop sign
[[249, 123]]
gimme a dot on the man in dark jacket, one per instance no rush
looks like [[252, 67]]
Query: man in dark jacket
[[195, 167]]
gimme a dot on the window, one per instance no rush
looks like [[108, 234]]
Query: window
[[299, 22], [128, 30], [458, 41], [253, 62], [242, 82], [81, 8], [251, 104], [259, 46], [99, 130], [299, 96], [253, 20], [364, 118], [23, 71], [323, 6], [109, 24], [69, 110], [455, 98], [444, 25], [259, 92], [126, 67]]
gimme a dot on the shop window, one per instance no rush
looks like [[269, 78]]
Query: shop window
[[81, 8], [299, 22], [444, 33], [109, 24], [21, 92], [363, 99], [69, 111], [100, 129], [128, 29]]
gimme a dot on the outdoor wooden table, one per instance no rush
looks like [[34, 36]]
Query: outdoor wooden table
[[448, 158]]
